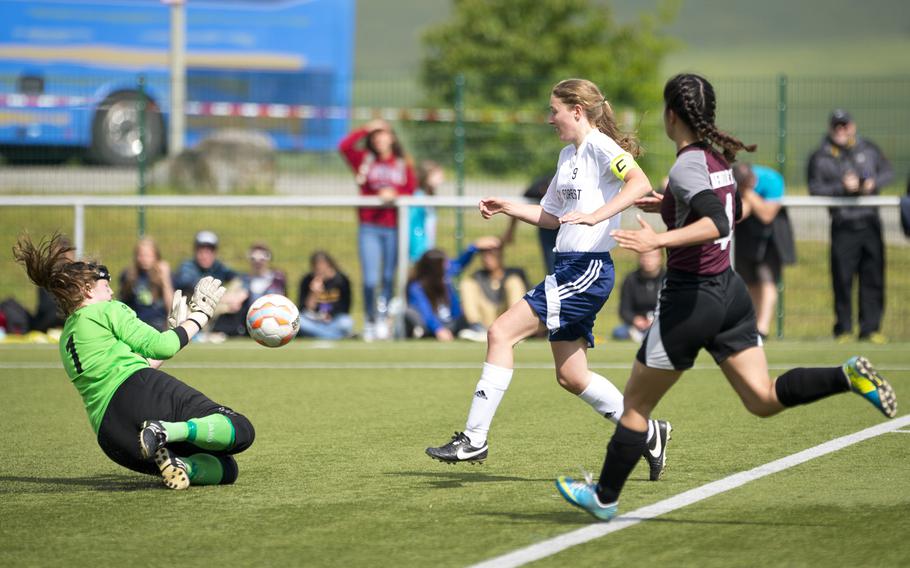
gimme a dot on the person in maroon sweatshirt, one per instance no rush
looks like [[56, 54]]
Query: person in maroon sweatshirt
[[381, 169]]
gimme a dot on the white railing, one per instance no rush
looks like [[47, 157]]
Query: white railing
[[79, 203]]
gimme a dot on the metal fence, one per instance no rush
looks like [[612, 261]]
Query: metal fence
[[294, 226], [478, 143], [485, 149]]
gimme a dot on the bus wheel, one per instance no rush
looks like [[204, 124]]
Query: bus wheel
[[115, 130]]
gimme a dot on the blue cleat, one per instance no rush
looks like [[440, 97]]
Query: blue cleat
[[583, 494], [866, 382]]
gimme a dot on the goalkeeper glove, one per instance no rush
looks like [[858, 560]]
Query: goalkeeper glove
[[206, 295], [179, 311]]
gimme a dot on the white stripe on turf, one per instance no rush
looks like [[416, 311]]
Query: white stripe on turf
[[594, 531]]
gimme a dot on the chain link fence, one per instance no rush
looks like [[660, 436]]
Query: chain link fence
[[485, 150]]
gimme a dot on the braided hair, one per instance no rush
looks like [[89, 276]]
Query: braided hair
[[49, 266], [597, 110], [692, 98]]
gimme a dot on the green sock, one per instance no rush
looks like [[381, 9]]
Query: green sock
[[205, 469], [176, 431], [212, 432]]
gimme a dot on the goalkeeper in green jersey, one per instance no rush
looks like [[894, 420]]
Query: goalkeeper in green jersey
[[145, 419]]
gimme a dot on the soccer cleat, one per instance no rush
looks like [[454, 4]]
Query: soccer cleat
[[174, 471], [583, 494], [656, 450], [459, 450], [866, 382], [151, 437]]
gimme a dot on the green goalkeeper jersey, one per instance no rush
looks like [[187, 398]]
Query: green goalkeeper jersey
[[102, 345]]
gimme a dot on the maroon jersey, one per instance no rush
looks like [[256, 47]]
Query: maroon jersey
[[698, 168], [372, 175]]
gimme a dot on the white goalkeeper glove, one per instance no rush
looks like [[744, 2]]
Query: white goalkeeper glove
[[206, 295], [179, 311]]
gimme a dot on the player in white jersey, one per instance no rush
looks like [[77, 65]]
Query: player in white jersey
[[596, 179]]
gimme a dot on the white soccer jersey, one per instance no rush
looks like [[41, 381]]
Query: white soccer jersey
[[585, 180]]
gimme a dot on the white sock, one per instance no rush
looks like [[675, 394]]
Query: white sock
[[490, 388], [606, 400], [604, 397]]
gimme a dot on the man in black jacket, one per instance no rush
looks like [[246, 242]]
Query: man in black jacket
[[847, 165]]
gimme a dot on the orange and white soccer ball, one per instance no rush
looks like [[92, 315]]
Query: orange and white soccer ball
[[273, 320]]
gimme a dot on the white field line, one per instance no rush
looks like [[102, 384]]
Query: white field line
[[594, 531], [303, 365]]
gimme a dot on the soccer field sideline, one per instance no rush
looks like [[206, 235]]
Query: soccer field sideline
[[362, 365], [562, 542]]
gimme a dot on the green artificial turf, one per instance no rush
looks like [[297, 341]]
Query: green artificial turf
[[337, 475]]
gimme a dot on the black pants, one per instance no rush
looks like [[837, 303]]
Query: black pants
[[858, 249], [150, 394]]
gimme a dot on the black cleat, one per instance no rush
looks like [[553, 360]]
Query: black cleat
[[656, 450], [174, 472], [151, 438], [459, 450]]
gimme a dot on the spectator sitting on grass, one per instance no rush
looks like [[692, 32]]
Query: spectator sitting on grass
[[325, 300]]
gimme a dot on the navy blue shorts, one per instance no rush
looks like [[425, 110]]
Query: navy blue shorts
[[568, 300]]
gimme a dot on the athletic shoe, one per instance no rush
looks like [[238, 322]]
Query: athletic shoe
[[583, 494], [475, 332], [875, 337], [151, 437], [174, 471], [843, 338], [656, 450], [459, 450], [866, 382]]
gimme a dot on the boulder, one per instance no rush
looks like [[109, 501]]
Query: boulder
[[227, 161]]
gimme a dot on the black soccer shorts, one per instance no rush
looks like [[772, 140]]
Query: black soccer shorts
[[150, 394], [695, 312]]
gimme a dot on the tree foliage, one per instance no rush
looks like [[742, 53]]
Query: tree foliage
[[511, 53]]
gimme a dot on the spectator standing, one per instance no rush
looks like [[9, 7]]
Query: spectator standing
[[764, 238], [325, 300], [423, 219], [383, 170], [491, 290], [146, 285], [847, 165], [638, 297]]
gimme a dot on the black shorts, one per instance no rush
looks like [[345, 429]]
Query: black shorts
[[763, 271], [150, 394], [714, 312]]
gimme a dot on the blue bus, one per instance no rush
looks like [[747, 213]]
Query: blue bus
[[70, 73]]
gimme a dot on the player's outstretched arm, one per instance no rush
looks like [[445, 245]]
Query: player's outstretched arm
[[527, 212], [646, 239]]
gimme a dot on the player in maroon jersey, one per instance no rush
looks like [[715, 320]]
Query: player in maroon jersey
[[704, 303]]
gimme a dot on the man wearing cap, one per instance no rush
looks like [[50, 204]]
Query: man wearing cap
[[204, 263], [847, 165]]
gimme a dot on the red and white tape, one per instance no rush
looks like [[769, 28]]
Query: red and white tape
[[279, 111]]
